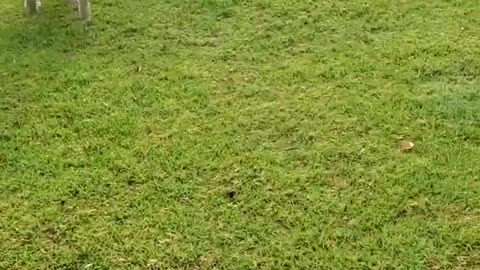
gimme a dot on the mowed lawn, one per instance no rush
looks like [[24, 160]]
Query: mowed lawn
[[241, 134]]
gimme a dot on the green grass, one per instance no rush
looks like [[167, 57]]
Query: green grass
[[241, 134]]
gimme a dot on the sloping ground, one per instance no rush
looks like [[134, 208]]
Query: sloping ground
[[261, 134]]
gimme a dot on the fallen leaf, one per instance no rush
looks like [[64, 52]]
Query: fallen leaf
[[406, 145]]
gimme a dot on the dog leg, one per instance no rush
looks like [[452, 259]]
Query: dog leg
[[82, 9], [32, 6], [85, 10], [39, 5], [75, 6]]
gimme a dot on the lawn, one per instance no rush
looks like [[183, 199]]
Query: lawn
[[241, 134]]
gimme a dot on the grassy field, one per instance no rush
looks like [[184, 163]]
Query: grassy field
[[241, 134]]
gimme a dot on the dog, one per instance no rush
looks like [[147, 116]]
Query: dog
[[82, 8]]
